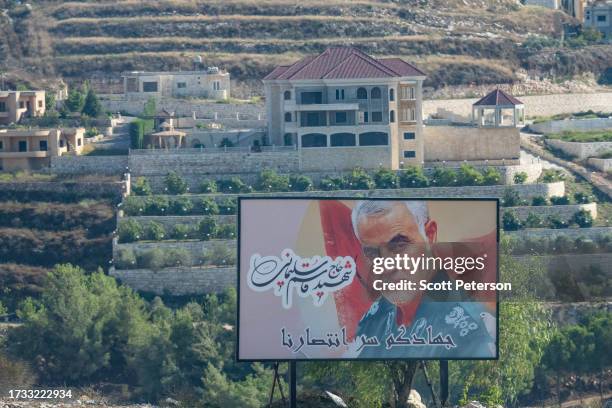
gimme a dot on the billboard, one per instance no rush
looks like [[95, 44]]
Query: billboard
[[368, 279]]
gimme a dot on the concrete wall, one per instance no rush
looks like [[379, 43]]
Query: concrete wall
[[558, 126], [536, 105], [579, 149], [105, 165], [601, 164], [457, 143], [178, 281]]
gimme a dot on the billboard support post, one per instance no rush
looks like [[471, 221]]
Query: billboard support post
[[444, 383], [292, 384]]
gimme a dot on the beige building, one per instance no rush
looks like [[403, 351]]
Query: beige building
[[211, 83], [598, 15], [345, 106], [32, 149], [15, 105]]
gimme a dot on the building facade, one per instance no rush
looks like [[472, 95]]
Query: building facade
[[210, 84], [598, 15], [15, 105], [552, 4], [32, 149], [348, 108]]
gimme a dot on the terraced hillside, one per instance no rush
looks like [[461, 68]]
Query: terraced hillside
[[455, 41]]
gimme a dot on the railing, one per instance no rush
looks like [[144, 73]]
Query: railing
[[239, 149]]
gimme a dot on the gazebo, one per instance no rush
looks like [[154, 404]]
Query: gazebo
[[168, 137], [498, 109]]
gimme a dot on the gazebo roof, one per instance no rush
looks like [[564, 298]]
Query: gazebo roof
[[498, 98], [169, 133]]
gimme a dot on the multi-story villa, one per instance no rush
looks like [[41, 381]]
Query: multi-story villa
[[15, 105], [598, 15], [211, 83], [347, 108]]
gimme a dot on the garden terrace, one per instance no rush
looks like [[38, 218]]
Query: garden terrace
[[583, 137]]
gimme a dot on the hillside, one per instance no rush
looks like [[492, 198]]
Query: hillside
[[456, 41]]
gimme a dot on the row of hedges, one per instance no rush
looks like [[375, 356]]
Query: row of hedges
[[96, 217], [161, 205], [511, 198], [206, 229], [511, 221], [560, 244], [358, 179], [159, 258]]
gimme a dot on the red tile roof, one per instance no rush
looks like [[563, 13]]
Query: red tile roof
[[497, 98], [344, 63]]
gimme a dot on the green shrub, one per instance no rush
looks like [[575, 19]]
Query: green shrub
[[538, 201], [510, 198], [208, 206], [157, 205], [560, 200], [177, 257], [228, 206], [133, 206], [208, 186], [443, 177], [555, 222], [269, 181], [520, 177], [581, 198], [207, 228], [155, 231], [585, 246], [413, 177], [226, 231], [359, 179], [153, 259], [605, 242], [583, 219], [175, 184], [130, 231], [298, 182], [180, 231], [221, 255], [552, 175], [141, 187], [533, 221], [563, 245], [511, 221], [233, 185], [332, 183], [182, 206], [125, 259], [491, 176], [469, 176], [385, 178]]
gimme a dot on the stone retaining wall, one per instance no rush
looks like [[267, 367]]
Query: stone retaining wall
[[172, 220], [575, 263], [195, 248], [590, 233], [63, 190], [579, 149], [105, 165], [558, 126], [564, 212], [177, 281], [604, 165]]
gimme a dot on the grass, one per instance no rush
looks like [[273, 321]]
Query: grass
[[25, 176], [583, 137]]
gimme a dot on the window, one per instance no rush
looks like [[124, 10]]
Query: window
[[288, 139], [408, 115], [61, 142], [339, 94], [149, 87], [408, 154], [407, 93], [392, 116], [314, 140], [366, 117], [216, 86], [340, 117], [391, 94], [42, 145], [409, 136], [342, 139], [362, 93], [23, 146], [1, 145], [376, 116], [287, 95], [40, 104], [79, 141], [601, 19], [288, 117], [313, 119], [375, 92], [312, 98], [181, 85], [2, 106], [21, 105], [373, 139]]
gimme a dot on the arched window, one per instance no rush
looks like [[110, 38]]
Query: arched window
[[342, 139], [287, 95], [375, 92], [314, 140], [288, 117], [362, 93], [373, 139], [391, 94]]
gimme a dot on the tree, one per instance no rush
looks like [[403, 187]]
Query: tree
[[469, 176], [92, 106], [269, 180], [299, 182], [511, 221], [443, 177], [175, 183], [583, 219], [359, 180], [491, 176], [413, 177], [75, 100], [385, 178], [136, 131], [142, 187], [520, 177]]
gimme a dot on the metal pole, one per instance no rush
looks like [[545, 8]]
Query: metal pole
[[443, 383], [292, 384]]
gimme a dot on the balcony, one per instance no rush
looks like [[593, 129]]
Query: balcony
[[294, 107]]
